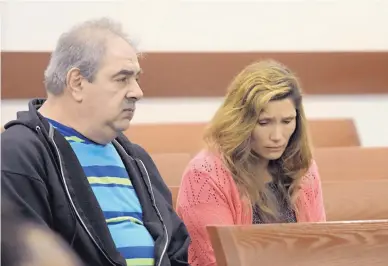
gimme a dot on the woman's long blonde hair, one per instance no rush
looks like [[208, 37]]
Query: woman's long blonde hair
[[229, 133]]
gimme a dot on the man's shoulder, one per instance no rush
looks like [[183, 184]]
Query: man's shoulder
[[140, 151], [311, 178], [20, 146], [135, 149], [18, 136]]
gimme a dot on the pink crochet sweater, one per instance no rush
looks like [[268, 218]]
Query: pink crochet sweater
[[209, 195]]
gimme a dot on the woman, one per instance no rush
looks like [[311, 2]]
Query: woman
[[257, 167]]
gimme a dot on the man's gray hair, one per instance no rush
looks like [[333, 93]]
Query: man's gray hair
[[82, 47]]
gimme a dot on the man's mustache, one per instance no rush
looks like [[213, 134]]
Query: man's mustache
[[130, 103]]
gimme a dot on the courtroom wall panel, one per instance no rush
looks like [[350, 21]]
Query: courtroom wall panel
[[207, 74]]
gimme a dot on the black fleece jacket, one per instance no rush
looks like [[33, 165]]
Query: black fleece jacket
[[44, 180]]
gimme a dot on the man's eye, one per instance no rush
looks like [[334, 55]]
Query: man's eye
[[123, 79]]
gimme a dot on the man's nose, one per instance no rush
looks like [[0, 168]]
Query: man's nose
[[135, 92]]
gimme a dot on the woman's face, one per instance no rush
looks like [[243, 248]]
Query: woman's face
[[276, 124]]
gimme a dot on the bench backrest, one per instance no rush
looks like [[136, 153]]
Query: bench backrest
[[187, 137], [168, 138], [174, 193], [171, 166], [321, 244], [355, 200], [347, 201], [333, 133], [352, 163]]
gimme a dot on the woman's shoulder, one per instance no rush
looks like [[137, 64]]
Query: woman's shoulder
[[206, 161], [311, 177], [208, 164]]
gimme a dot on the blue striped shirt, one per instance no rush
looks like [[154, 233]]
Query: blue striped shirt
[[113, 189]]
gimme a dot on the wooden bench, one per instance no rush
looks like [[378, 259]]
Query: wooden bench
[[187, 137], [168, 138], [174, 193], [356, 243], [333, 133], [355, 200], [171, 166], [352, 163]]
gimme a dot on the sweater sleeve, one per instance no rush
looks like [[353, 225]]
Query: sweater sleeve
[[318, 195], [312, 196], [203, 200]]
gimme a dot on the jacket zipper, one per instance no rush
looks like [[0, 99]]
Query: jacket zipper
[[158, 212], [73, 205]]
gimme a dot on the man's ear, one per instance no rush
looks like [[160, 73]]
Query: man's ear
[[74, 83]]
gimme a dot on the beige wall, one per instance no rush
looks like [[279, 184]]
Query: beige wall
[[213, 25], [197, 25]]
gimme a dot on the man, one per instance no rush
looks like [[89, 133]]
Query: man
[[66, 163]]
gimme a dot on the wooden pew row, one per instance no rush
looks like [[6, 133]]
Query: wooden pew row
[[333, 133], [163, 138], [171, 166], [168, 138], [352, 163], [357, 243], [174, 193], [187, 137], [334, 164], [347, 201], [355, 200]]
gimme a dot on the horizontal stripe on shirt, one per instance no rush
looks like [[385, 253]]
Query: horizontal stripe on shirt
[[139, 252], [101, 171], [116, 214], [140, 262], [132, 238], [109, 181], [90, 155], [118, 199], [121, 219]]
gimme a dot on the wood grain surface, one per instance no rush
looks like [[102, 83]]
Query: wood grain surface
[[323, 244]]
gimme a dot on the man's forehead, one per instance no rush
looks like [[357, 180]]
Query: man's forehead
[[133, 65], [131, 58], [120, 55], [120, 49], [117, 63]]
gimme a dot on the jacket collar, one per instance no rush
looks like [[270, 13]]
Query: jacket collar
[[31, 118]]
